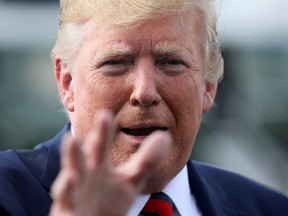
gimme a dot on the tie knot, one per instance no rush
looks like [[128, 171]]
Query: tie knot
[[159, 204]]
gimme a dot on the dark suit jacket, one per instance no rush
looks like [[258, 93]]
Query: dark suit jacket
[[26, 177]]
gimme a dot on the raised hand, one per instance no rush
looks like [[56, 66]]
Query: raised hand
[[89, 184]]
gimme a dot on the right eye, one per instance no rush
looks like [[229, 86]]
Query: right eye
[[114, 67], [113, 62]]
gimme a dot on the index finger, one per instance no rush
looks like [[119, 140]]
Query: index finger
[[98, 141]]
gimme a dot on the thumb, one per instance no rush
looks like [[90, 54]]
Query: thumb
[[151, 153]]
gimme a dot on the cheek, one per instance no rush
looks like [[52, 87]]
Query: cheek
[[187, 108], [186, 100], [93, 94], [100, 92]]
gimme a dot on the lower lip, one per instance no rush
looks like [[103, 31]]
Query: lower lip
[[134, 139]]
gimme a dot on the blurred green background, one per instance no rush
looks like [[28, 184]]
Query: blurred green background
[[246, 132]]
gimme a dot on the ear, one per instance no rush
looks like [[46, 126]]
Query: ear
[[65, 85], [209, 96]]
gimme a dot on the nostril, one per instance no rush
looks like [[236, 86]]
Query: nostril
[[146, 101], [145, 87], [145, 98]]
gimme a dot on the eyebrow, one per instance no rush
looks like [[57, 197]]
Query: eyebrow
[[165, 48], [114, 52], [171, 49]]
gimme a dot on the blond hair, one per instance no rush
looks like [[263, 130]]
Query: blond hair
[[129, 13]]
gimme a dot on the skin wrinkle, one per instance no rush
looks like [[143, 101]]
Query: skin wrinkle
[[87, 37], [171, 50], [131, 53], [75, 13], [117, 52], [162, 49]]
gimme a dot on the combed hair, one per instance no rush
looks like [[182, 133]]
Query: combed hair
[[130, 13]]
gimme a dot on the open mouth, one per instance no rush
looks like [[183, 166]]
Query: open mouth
[[142, 132]]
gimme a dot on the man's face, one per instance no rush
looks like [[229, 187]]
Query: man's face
[[151, 77]]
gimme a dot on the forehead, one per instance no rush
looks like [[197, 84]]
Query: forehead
[[182, 30]]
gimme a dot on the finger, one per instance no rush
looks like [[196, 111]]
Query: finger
[[71, 155], [57, 210], [98, 141], [151, 153], [62, 189]]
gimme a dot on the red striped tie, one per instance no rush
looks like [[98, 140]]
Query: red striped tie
[[159, 204]]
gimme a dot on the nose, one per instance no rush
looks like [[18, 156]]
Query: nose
[[145, 92]]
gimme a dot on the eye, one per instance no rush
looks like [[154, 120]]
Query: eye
[[114, 67], [113, 62], [172, 66], [173, 62]]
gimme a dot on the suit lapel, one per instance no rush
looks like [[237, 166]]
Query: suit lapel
[[205, 196], [210, 196]]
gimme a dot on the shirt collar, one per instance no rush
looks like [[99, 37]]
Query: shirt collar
[[178, 190]]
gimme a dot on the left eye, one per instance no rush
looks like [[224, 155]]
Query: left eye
[[172, 66], [172, 62]]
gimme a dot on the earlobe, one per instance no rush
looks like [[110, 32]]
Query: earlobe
[[64, 83], [209, 96]]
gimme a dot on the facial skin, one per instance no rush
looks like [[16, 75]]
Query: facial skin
[[151, 76]]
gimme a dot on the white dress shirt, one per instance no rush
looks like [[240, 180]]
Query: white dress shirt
[[178, 190]]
